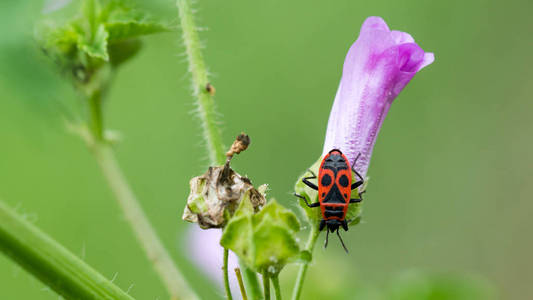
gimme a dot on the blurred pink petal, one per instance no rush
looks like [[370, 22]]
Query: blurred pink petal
[[206, 252]]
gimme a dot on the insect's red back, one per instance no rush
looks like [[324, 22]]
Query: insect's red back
[[334, 184]]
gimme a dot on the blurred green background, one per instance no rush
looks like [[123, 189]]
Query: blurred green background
[[447, 211]]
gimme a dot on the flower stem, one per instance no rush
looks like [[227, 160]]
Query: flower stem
[[266, 285], [200, 82], [241, 283], [95, 115], [252, 282], [50, 262], [277, 288], [146, 235], [226, 275], [206, 106], [313, 235]]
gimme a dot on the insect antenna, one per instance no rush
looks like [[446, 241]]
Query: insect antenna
[[327, 238], [342, 242]]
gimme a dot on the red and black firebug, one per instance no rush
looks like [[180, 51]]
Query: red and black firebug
[[334, 191]]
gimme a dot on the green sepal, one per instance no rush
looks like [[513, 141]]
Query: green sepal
[[96, 47], [265, 241], [124, 30]]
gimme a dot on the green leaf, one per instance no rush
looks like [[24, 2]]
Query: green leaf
[[278, 214], [102, 31], [132, 29], [123, 21], [264, 241], [122, 51], [97, 46], [274, 246]]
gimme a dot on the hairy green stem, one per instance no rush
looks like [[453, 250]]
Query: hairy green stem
[[266, 285], [50, 262], [277, 288], [200, 81], [143, 230], [297, 291], [206, 106], [226, 275]]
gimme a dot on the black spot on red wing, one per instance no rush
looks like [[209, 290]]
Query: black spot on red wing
[[323, 194], [326, 180], [334, 195], [345, 196], [343, 181]]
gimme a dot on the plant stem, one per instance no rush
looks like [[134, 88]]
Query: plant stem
[[313, 235], [206, 106], [96, 121], [50, 262], [277, 288], [252, 282], [146, 235], [266, 285], [198, 69], [241, 283], [226, 275]]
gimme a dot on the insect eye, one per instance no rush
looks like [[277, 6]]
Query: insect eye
[[343, 181], [326, 180]]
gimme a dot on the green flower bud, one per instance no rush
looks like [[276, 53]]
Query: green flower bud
[[265, 241]]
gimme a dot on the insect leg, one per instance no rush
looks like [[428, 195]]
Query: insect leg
[[356, 200], [308, 183], [327, 238], [321, 225], [345, 225], [305, 199], [342, 242], [362, 180]]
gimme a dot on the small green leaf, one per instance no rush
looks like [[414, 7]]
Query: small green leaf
[[97, 46], [274, 246], [123, 21], [102, 31], [279, 214], [121, 52], [237, 236], [123, 30]]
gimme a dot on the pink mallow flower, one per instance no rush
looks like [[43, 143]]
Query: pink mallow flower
[[377, 67]]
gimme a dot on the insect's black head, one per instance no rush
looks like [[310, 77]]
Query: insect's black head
[[333, 226]]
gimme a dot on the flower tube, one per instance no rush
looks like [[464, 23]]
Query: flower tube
[[377, 67]]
